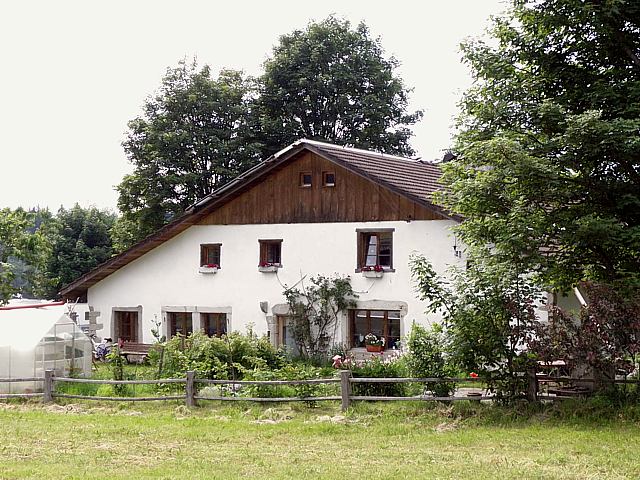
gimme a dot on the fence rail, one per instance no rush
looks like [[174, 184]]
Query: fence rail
[[346, 382]]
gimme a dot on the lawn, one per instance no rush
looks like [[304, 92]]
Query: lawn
[[291, 442]]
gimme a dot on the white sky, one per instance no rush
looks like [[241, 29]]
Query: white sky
[[75, 72]]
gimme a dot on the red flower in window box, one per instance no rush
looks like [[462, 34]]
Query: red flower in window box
[[374, 268], [268, 267], [212, 265]]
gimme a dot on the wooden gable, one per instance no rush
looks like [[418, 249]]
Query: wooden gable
[[280, 197]]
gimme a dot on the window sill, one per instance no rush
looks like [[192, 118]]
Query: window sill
[[372, 274], [269, 269], [208, 270]]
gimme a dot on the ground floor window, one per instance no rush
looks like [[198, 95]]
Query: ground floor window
[[382, 323], [214, 324], [180, 323], [126, 326], [284, 336]]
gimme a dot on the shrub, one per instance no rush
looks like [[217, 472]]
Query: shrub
[[226, 358], [426, 358], [380, 367], [314, 310], [288, 372]]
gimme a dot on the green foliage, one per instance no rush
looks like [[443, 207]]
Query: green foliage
[[380, 367], [291, 371], [80, 240], [117, 362], [547, 172], [194, 136], [603, 336], [314, 310], [427, 358], [332, 82], [23, 249], [228, 357], [489, 315]]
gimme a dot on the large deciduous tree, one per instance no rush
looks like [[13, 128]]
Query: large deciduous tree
[[549, 166], [333, 82], [195, 135]]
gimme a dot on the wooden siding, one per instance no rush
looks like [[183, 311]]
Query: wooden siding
[[279, 198]]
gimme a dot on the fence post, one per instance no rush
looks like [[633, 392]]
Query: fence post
[[532, 387], [47, 396], [190, 390], [345, 388]]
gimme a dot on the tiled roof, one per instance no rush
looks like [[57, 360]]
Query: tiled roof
[[415, 177]]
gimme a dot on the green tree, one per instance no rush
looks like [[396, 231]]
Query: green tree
[[195, 135], [548, 171], [332, 82], [22, 251], [80, 240], [489, 318]]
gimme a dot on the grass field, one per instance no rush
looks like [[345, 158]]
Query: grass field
[[372, 441]]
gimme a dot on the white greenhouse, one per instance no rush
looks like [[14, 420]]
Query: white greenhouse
[[39, 337]]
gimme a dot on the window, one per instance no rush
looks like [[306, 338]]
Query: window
[[375, 248], [382, 323], [126, 326], [180, 323], [285, 336], [329, 179], [214, 324], [270, 253], [305, 179], [210, 254]]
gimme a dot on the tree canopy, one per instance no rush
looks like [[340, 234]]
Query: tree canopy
[[328, 82], [195, 135], [333, 82], [79, 241], [22, 251], [548, 171]]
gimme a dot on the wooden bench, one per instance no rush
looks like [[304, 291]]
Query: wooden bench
[[132, 349]]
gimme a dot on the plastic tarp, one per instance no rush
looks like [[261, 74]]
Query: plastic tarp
[[33, 340]]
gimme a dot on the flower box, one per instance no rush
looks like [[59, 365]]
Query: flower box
[[268, 268], [374, 348], [372, 274], [207, 269]]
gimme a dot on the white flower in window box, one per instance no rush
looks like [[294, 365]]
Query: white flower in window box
[[209, 268], [266, 267], [372, 272]]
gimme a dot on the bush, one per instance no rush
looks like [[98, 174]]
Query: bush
[[379, 367], [227, 358], [288, 372], [427, 358]]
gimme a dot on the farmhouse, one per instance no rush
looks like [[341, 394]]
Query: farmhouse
[[312, 208]]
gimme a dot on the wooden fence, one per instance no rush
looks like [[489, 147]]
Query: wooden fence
[[345, 381]]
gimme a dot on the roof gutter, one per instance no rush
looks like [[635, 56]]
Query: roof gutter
[[34, 305]]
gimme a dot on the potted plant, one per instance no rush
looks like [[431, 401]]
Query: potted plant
[[209, 268], [375, 271], [267, 267], [373, 343]]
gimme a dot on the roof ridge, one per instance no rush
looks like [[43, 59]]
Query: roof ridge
[[350, 149]]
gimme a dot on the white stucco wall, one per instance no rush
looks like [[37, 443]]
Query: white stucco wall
[[167, 278]]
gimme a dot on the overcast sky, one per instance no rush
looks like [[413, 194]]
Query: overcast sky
[[75, 72]]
